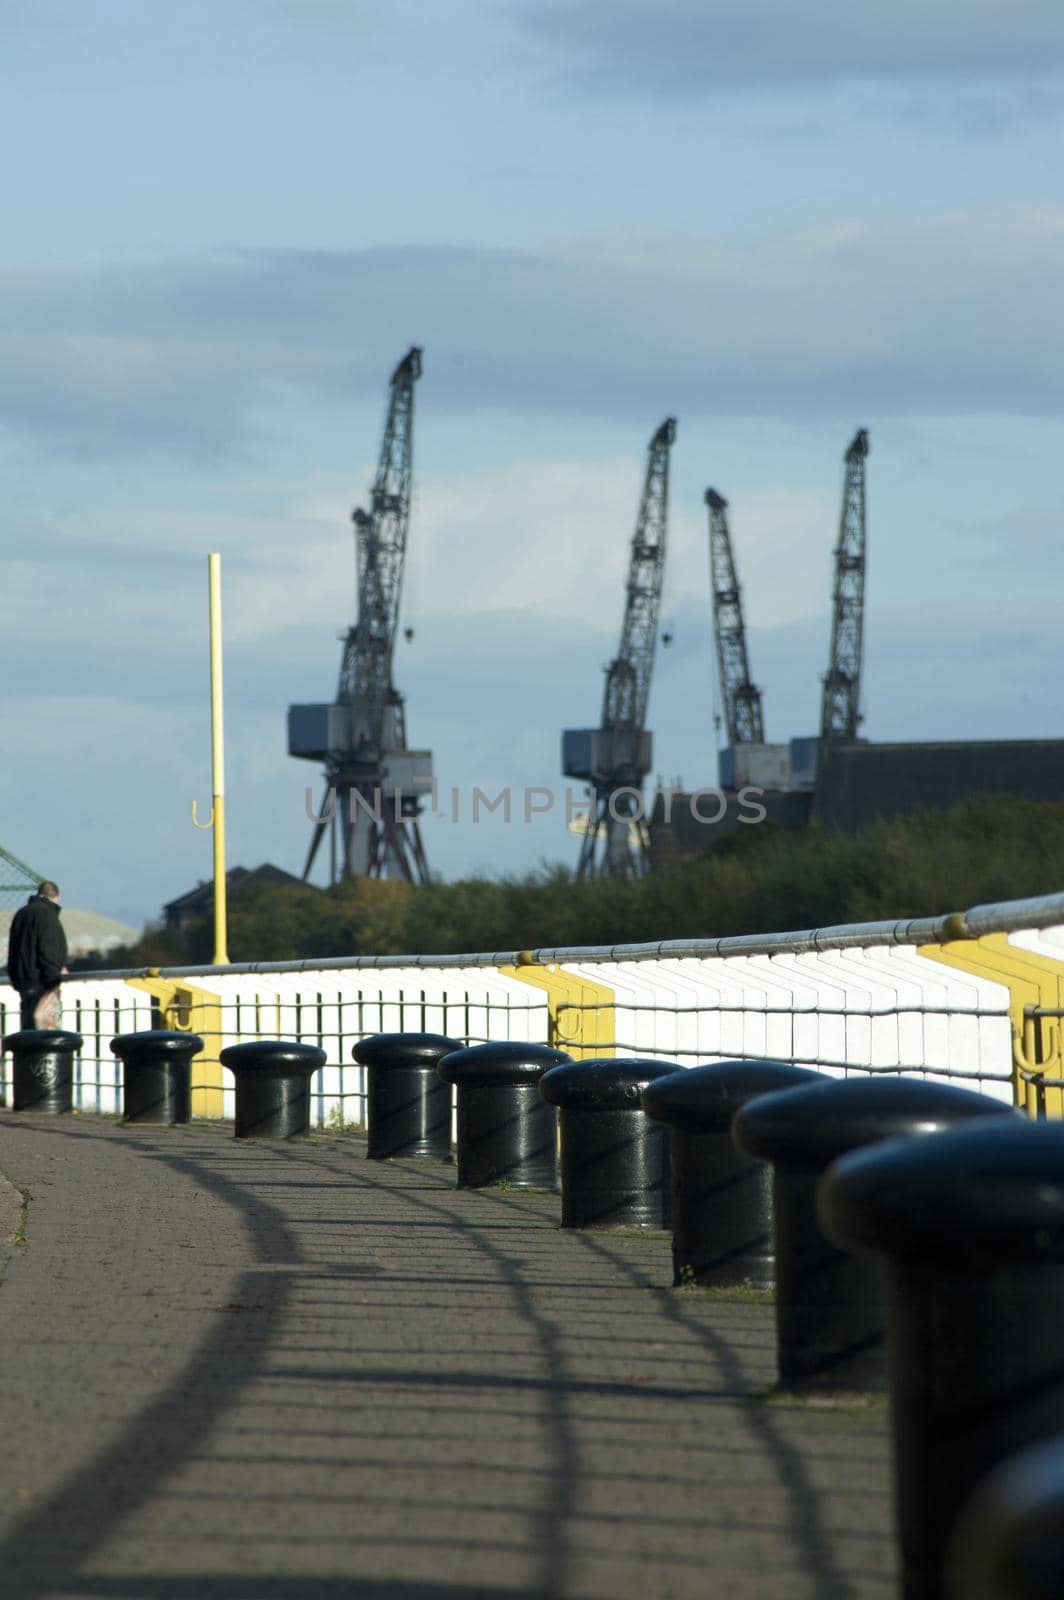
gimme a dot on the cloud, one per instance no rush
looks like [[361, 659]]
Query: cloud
[[321, 13], [516, 588], [696, 48], [945, 314], [32, 14]]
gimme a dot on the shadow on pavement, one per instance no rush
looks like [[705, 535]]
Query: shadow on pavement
[[48, 1550]]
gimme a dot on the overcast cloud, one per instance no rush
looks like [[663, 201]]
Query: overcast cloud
[[224, 225], [701, 47], [947, 314]]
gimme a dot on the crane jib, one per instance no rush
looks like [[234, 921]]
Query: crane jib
[[741, 699], [840, 716]]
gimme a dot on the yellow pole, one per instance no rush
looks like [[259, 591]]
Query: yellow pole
[[214, 570]]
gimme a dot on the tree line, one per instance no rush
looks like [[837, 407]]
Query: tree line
[[987, 848]]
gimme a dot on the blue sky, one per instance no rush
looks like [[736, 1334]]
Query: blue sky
[[778, 221]]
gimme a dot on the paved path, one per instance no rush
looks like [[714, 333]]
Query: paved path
[[258, 1371]]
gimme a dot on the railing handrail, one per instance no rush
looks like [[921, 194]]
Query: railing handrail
[[1006, 916]]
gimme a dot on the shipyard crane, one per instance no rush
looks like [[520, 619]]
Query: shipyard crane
[[741, 698], [615, 757], [840, 715], [374, 785]]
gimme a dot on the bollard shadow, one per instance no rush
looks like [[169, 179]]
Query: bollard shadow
[[767, 1431], [350, 1352], [208, 1586], [805, 1500], [46, 1552]]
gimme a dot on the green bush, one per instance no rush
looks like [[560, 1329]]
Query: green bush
[[988, 848]]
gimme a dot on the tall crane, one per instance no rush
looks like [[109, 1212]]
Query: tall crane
[[374, 785], [840, 714], [615, 757], [741, 699]]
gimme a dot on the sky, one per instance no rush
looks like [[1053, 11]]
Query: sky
[[777, 220]]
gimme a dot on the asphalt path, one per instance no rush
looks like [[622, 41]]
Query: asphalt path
[[255, 1370]]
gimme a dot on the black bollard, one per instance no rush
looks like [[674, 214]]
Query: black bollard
[[272, 1087], [156, 1074], [830, 1310], [408, 1109], [42, 1069], [1008, 1542], [721, 1200], [614, 1160], [971, 1224], [506, 1131]]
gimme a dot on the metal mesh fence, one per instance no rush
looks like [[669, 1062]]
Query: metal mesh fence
[[863, 999], [336, 1021], [855, 1024], [330, 1019], [17, 883]]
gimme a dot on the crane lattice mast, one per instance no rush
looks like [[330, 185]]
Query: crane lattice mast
[[381, 534], [374, 785], [840, 715], [742, 699], [615, 758]]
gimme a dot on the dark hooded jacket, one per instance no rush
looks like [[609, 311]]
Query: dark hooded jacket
[[36, 946]]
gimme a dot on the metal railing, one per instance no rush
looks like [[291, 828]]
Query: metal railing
[[333, 1022], [794, 1053], [905, 1027]]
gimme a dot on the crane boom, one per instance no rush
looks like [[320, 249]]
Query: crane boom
[[381, 534], [615, 758], [742, 699], [840, 715], [624, 702]]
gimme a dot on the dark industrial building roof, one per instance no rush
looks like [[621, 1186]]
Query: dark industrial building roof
[[858, 782], [199, 902]]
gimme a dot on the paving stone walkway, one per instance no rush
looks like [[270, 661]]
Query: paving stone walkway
[[267, 1371]]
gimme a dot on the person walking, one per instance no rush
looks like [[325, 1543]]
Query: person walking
[[36, 951]]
